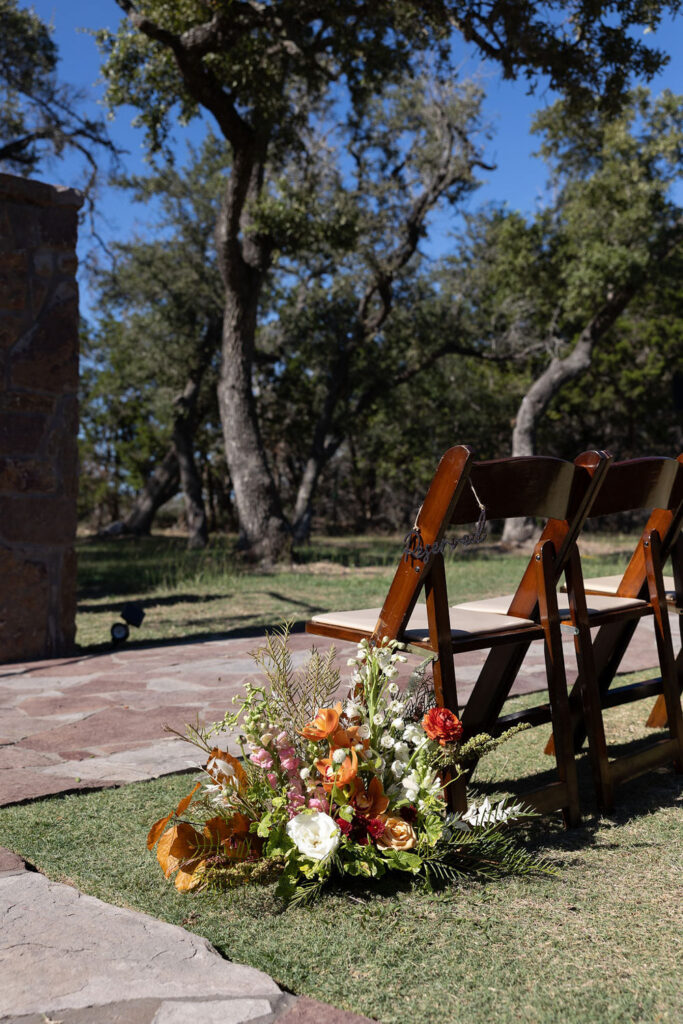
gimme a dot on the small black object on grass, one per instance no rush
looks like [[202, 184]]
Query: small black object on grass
[[132, 614]]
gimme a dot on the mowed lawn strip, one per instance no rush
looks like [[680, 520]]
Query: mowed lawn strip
[[600, 941], [211, 594]]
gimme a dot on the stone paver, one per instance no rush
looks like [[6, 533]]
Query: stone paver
[[68, 957], [62, 950], [92, 721]]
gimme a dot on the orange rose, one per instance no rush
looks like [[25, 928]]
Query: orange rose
[[324, 723], [442, 725], [397, 835]]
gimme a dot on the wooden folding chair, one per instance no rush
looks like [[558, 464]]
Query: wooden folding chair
[[667, 522], [505, 488], [648, 483]]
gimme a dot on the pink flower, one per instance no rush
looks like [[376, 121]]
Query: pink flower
[[288, 759], [272, 779], [319, 803], [282, 740], [261, 758], [295, 801]]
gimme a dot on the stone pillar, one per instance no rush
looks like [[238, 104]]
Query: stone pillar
[[38, 418]]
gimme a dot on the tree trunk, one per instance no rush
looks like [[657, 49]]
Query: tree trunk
[[264, 531], [195, 512], [264, 534], [184, 428], [554, 377], [322, 450], [160, 487]]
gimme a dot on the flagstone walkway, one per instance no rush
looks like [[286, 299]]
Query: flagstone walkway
[[98, 720]]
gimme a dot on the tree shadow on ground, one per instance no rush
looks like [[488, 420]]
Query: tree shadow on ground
[[150, 602], [636, 798]]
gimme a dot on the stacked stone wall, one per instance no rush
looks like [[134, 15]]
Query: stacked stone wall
[[38, 418]]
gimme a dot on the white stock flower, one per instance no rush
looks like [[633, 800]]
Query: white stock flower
[[315, 835], [411, 785], [397, 769], [304, 773], [413, 734], [351, 710], [386, 741], [402, 751], [397, 724]]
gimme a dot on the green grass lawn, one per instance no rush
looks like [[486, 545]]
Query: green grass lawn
[[210, 593], [599, 942]]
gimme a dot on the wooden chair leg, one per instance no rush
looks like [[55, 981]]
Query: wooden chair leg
[[588, 686], [436, 598], [557, 684], [670, 687], [658, 716]]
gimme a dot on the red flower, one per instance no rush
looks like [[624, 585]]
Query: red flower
[[409, 813], [375, 827], [442, 725], [361, 829]]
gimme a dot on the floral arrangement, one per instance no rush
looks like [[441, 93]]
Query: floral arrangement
[[343, 789]]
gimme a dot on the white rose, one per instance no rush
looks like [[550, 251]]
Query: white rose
[[386, 741], [364, 732], [398, 724], [315, 835], [397, 769]]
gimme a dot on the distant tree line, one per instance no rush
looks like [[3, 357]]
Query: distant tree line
[[280, 350]]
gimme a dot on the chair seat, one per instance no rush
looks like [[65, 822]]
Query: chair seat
[[597, 604], [610, 584], [465, 623]]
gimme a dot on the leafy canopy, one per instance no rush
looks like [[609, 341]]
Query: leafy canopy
[[249, 63], [38, 116]]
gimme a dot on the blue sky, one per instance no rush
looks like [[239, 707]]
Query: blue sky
[[518, 180]]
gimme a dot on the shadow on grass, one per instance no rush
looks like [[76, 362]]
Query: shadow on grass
[[636, 798], [238, 633], [151, 602]]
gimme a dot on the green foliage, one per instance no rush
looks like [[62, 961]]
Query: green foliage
[[39, 116], [158, 325], [340, 145], [250, 61]]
